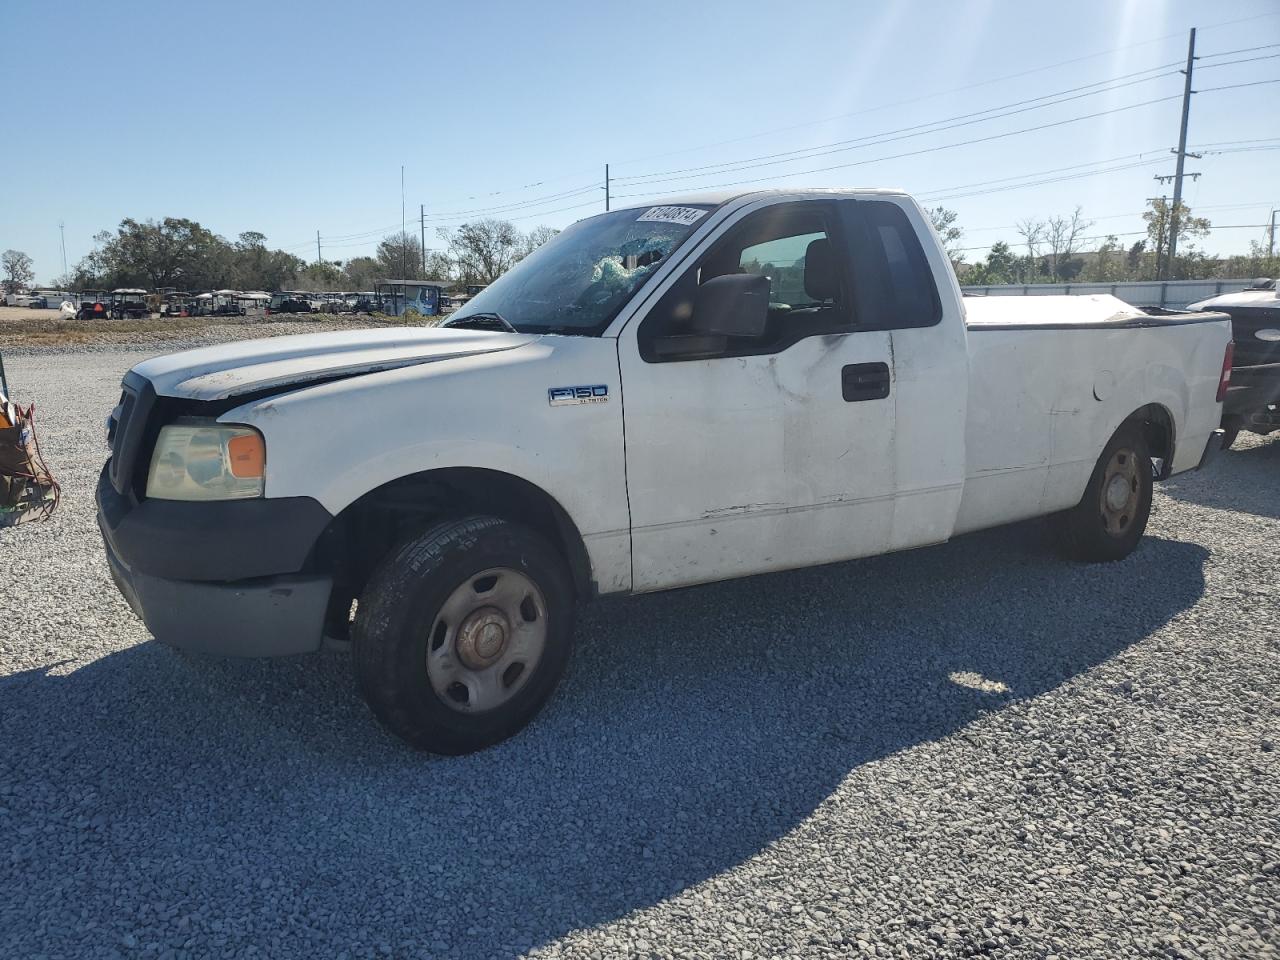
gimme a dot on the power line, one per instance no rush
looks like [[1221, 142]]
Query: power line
[[1044, 182], [1227, 53], [948, 146], [1115, 83], [516, 205], [888, 136], [1258, 204], [929, 96], [938, 126], [962, 143], [1260, 149], [1236, 86], [941, 93], [1232, 143], [1231, 63]]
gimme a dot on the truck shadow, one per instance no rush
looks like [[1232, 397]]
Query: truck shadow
[[1245, 478], [695, 729]]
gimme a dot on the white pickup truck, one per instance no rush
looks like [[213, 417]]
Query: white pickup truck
[[659, 396]]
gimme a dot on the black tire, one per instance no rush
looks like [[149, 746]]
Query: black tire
[[1095, 531], [400, 609]]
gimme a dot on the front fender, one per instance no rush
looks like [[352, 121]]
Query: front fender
[[337, 441]]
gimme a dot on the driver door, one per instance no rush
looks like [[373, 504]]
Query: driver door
[[777, 451]]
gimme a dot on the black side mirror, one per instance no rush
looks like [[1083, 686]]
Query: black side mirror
[[735, 305]]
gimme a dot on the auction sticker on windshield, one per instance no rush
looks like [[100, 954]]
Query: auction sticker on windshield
[[682, 215]]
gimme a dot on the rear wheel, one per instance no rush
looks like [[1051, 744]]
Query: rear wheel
[[463, 634], [1112, 515]]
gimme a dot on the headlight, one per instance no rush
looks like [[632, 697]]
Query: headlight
[[199, 460]]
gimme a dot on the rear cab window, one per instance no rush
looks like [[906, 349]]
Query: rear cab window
[[894, 285]]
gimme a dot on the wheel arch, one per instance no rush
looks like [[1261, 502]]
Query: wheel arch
[[1160, 431], [364, 531]]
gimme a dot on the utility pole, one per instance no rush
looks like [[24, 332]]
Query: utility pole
[[606, 188], [317, 246], [1182, 154], [62, 233], [1271, 240], [404, 252], [422, 222]]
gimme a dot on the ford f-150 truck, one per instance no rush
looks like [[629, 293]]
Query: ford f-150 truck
[[659, 396]]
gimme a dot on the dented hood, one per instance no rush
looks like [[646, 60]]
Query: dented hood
[[234, 369]]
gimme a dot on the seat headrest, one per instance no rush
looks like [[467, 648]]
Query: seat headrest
[[820, 278]]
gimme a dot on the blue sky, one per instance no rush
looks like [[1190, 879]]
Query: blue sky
[[292, 118]]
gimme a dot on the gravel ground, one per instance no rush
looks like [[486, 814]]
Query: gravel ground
[[972, 749], [45, 333]]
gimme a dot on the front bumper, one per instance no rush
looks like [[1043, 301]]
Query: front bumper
[[216, 577]]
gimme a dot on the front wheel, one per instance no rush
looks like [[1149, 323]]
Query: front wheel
[[1112, 515], [463, 634]]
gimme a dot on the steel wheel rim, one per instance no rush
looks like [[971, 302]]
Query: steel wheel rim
[[1121, 487], [486, 640]]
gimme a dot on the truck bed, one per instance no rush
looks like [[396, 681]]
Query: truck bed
[[1095, 311], [1040, 397]]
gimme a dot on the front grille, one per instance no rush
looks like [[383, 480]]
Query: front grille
[[116, 430], [136, 405]]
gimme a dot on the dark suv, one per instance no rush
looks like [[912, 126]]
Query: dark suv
[[1253, 400]]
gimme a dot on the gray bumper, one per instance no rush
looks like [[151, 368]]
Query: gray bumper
[[267, 617]]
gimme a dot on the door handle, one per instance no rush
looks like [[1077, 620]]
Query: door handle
[[864, 381]]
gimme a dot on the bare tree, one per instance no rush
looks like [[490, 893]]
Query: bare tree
[[484, 250], [1032, 234], [1063, 234], [18, 274], [536, 238]]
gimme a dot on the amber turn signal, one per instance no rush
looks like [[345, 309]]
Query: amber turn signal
[[247, 455]]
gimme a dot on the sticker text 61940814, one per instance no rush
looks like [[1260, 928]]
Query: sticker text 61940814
[[681, 215]]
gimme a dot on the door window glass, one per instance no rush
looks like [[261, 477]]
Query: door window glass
[[796, 246]]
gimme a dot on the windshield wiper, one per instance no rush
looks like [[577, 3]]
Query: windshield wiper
[[482, 321]]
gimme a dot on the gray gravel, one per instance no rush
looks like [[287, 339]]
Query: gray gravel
[[159, 337], [972, 749]]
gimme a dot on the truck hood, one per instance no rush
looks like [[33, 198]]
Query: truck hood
[[250, 366]]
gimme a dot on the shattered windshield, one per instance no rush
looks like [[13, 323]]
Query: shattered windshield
[[578, 281]]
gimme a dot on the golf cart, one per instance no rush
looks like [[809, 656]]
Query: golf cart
[[129, 302]]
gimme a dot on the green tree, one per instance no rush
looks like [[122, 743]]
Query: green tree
[[439, 266], [1107, 264], [362, 272], [1159, 217], [400, 257], [18, 272], [1001, 266], [944, 222], [258, 268], [322, 276], [173, 252]]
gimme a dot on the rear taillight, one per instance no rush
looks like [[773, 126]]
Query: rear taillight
[[1224, 381]]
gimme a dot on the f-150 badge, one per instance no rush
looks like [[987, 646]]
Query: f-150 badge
[[564, 396]]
